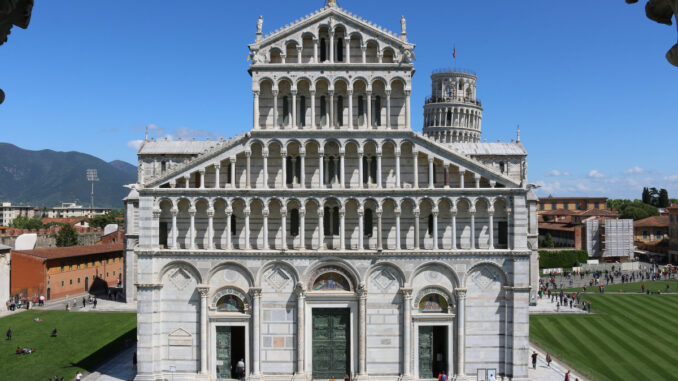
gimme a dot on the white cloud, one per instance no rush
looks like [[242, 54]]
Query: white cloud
[[594, 174], [135, 144], [635, 170], [557, 173], [671, 178]]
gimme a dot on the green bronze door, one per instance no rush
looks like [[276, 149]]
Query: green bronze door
[[426, 352], [224, 352], [330, 343]]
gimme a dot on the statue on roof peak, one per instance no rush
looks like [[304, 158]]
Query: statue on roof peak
[[331, 3]]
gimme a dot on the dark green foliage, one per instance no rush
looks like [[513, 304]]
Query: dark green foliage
[[635, 210], [67, 236], [646, 195], [561, 258], [48, 178], [108, 218], [664, 198], [23, 222], [548, 241]]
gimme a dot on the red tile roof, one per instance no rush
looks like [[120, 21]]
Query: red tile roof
[[654, 221], [557, 212], [65, 220], [599, 212], [72, 251]]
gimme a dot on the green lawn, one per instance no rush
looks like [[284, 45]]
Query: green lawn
[[632, 287], [628, 337], [84, 340]]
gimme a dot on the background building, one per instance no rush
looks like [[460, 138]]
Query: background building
[[9, 212], [572, 203], [72, 209], [331, 239], [64, 271]]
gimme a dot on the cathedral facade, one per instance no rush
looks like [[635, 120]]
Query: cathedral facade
[[331, 239]]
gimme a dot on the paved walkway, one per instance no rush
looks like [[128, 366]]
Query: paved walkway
[[545, 306], [556, 372], [103, 305], [119, 368]]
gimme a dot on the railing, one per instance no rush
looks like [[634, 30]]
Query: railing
[[476, 101], [454, 70]]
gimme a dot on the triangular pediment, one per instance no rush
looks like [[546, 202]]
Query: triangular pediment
[[332, 15]]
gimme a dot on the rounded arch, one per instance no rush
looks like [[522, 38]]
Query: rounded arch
[[379, 79], [312, 272], [229, 291], [360, 79], [397, 79], [479, 266], [343, 79], [449, 271], [223, 265], [304, 78], [255, 141], [160, 200], [469, 203], [273, 264], [395, 270], [330, 84], [265, 79], [293, 140], [179, 264], [427, 295], [333, 140], [384, 200]]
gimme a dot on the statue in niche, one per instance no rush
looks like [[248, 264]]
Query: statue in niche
[[662, 11]]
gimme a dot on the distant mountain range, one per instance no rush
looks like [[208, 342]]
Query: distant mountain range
[[48, 178]]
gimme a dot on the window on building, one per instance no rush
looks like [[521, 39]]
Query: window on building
[[335, 220], [63, 268], [596, 205], [233, 224], [502, 167], [106, 275], [294, 222], [377, 111], [163, 166], [323, 50], [70, 281], [290, 170], [577, 206], [541, 206], [78, 280], [566, 205], [554, 206], [645, 234], [449, 115], [429, 229], [502, 233], [323, 111], [361, 110], [62, 283], [340, 110], [368, 223], [373, 170], [340, 50], [286, 111], [658, 235], [113, 273], [302, 111]]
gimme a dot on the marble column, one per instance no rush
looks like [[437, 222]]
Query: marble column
[[342, 225], [229, 239], [301, 347], [379, 169], [204, 292], [415, 156], [330, 108], [363, 49], [435, 228], [283, 159], [509, 223], [302, 170], [473, 227], [312, 91], [299, 48], [331, 47], [255, 120], [293, 168], [407, 109], [293, 122], [361, 228], [233, 172], [217, 169], [447, 176], [256, 325], [201, 171], [187, 181], [477, 179], [247, 228], [192, 212], [347, 46], [430, 172], [362, 330], [264, 153], [265, 214], [397, 167], [460, 293], [275, 108], [416, 228], [342, 175], [407, 331], [174, 212], [491, 215], [248, 171], [283, 227], [302, 228], [453, 212], [315, 50], [321, 166], [368, 123], [350, 108], [210, 228], [461, 177], [380, 243], [321, 231], [397, 223], [388, 108], [360, 169]]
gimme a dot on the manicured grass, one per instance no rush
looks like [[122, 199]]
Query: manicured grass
[[628, 337], [632, 287], [85, 339]]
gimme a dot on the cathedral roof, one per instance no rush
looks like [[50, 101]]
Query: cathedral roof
[[469, 148], [176, 147]]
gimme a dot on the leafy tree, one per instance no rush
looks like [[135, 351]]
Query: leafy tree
[[23, 222], [67, 236], [548, 241], [108, 218], [635, 209], [664, 198], [646, 195], [654, 197]]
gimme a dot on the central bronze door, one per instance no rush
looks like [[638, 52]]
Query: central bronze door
[[331, 342]]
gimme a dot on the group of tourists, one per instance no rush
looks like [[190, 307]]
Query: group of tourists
[[535, 356], [18, 302]]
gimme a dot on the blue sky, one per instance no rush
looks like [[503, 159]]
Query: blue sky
[[586, 80]]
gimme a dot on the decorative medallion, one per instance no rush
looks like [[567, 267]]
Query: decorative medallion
[[278, 278], [230, 300], [180, 278], [231, 275], [484, 277], [384, 279]]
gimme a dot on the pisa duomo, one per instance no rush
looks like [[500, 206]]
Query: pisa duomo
[[330, 239]]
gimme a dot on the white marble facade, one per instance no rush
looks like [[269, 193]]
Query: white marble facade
[[332, 203]]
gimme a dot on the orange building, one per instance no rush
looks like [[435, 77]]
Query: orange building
[[572, 203], [59, 272]]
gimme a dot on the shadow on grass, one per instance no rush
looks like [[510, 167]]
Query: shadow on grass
[[108, 351]]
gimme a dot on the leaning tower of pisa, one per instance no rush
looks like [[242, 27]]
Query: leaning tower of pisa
[[453, 112]]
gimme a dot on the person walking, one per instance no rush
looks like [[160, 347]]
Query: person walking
[[548, 359], [9, 333], [95, 303], [534, 360], [240, 370], [567, 376], [84, 302], [78, 376]]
